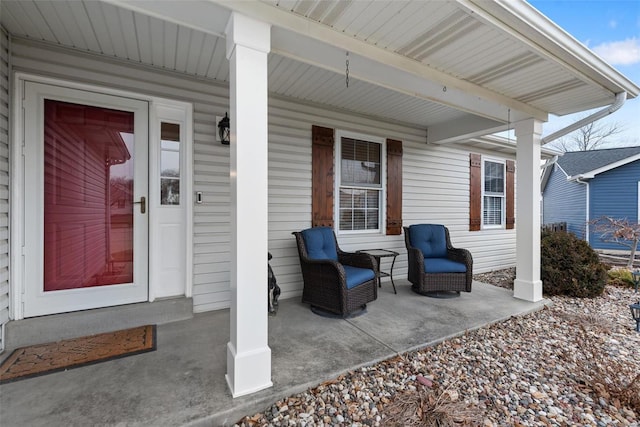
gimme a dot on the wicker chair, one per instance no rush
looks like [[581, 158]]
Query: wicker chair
[[434, 265], [337, 282]]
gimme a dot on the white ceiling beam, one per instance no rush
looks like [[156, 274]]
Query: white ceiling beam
[[458, 130], [307, 41], [303, 29], [332, 58]]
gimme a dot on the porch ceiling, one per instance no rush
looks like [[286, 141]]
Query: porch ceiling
[[115, 32], [431, 64]]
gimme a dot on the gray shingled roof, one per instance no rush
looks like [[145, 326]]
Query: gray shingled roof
[[579, 162]]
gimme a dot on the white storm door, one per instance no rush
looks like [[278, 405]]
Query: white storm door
[[85, 200]]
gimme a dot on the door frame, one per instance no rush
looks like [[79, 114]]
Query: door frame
[[17, 213]]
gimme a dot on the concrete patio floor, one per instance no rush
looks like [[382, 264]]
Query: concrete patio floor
[[183, 381]]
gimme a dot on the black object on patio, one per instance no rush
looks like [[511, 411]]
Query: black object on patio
[[435, 267], [338, 282]]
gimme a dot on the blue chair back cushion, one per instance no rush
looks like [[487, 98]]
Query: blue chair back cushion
[[320, 243], [357, 276], [430, 239], [443, 265]]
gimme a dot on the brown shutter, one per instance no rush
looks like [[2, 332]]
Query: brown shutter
[[511, 219], [394, 187], [475, 191], [322, 176]]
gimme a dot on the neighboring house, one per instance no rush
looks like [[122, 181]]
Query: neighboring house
[[582, 186], [365, 116]]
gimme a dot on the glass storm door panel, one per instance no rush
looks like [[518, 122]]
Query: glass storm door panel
[[85, 213], [88, 194]]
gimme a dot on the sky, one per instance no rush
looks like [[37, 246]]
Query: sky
[[611, 28]]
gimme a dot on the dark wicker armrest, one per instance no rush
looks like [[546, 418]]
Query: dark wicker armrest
[[324, 272], [358, 259], [416, 258], [461, 255]]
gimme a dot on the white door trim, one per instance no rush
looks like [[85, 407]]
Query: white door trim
[[16, 309], [37, 302]]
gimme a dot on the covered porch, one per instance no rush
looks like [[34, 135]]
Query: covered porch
[[436, 75], [182, 382]]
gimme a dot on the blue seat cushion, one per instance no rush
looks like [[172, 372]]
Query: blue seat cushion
[[443, 265], [357, 276], [320, 243], [430, 239]]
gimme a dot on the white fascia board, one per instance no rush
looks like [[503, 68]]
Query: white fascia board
[[593, 173], [564, 172], [310, 42], [569, 178], [527, 25]]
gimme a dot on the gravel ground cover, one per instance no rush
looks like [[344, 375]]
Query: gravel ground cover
[[573, 363]]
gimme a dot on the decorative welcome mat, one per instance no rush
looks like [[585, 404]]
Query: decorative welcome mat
[[40, 359]]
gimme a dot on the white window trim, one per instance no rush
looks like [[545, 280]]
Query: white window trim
[[503, 220], [383, 179]]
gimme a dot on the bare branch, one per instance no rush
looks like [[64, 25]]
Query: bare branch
[[619, 231], [589, 137]]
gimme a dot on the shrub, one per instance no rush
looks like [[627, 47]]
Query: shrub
[[570, 267], [620, 277]]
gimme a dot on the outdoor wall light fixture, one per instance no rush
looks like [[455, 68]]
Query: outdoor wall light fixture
[[635, 312], [636, 278], [224, 126]]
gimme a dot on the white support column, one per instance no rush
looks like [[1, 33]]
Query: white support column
[[528, 285], [248, 353]]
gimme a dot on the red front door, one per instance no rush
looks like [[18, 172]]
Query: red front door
[[92, 177], [88, 189]]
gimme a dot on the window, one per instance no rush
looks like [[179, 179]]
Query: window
[[363, 198], [359, 185], [169, 164], [493, 194]]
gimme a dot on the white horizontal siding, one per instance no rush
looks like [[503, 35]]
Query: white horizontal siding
[[436, 178], [435, 189], [4, 180], [211, 160]]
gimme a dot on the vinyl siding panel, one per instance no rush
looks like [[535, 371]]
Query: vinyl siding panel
[[4, 180], [614, 193], [435, 177], [211, 160], [565, 201], [435, 189]]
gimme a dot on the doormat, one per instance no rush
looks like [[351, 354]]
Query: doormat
[[41, 359]]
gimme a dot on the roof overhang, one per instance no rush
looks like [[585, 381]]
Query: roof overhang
[[459, 69]]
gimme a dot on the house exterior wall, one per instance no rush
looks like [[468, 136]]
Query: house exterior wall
[[211, 159], [565, 201], [4, 178], [614, 193], [435, 177]]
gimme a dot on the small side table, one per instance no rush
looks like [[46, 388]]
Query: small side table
[[383, 253]]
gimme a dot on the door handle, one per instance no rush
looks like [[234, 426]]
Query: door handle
[[142, 203]]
